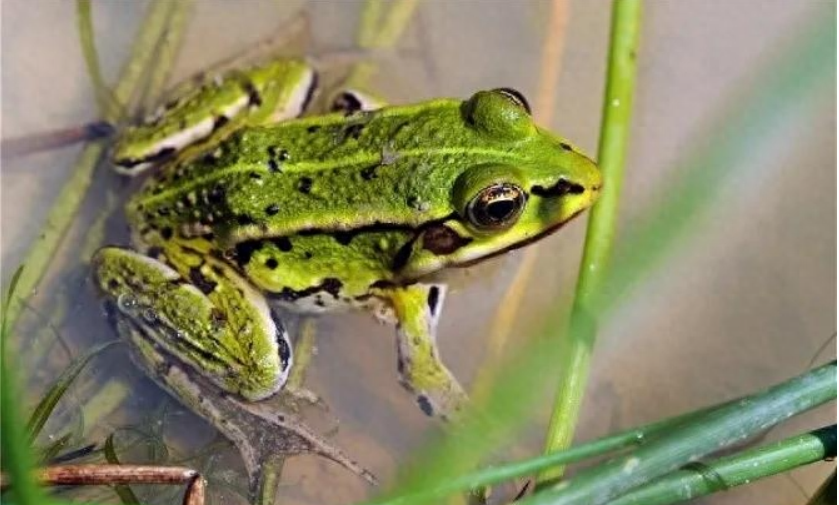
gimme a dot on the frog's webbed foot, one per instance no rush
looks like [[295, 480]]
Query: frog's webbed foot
[[417, 309], [213, 344], [221, 327], [259, 430]]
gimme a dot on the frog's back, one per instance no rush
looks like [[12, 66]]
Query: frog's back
[[392, 166], [395, 168]]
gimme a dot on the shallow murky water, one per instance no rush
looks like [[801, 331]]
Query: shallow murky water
[[746, 302]]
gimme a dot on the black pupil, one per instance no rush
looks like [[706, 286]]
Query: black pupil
[[499, 210]]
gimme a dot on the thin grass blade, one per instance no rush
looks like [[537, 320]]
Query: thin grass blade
[[47, 404], [126, 495]]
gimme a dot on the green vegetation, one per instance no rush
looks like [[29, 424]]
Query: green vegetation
[[657, 463]]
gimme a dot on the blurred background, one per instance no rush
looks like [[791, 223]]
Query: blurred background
[[746, 301]]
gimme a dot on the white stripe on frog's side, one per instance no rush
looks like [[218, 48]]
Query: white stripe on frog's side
[[319, 303], [182, 138], [298, 99], [323, 303]]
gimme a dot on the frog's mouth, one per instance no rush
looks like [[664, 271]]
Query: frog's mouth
[[512, 247]]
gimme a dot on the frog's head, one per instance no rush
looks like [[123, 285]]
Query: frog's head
[[527, 184]]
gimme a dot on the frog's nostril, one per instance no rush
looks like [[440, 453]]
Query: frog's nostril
[[561, 188]]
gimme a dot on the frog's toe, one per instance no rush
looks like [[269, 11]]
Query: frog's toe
[[446, 402]]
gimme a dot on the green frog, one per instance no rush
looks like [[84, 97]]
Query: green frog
[[253, 205]]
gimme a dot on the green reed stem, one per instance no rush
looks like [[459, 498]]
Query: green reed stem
[[383, 35], [72, 194], [690, 442], [123, 491], [84, 19], [371, 13], [383, 31], [167, 51], [745, 467], [761, 409], [497, 474], [16, 455], [101, 404], [394, 24], [614, 142]]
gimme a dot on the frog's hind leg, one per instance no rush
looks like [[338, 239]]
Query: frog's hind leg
[[206, 316], [417, 309], [202, 115], [259, 432], [204, 338]]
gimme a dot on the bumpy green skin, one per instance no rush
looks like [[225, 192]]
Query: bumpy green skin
[[202, 114], [347, 210], [204, 314], [382, 177]]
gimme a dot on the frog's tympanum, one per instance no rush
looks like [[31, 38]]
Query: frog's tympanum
[[252, 206]]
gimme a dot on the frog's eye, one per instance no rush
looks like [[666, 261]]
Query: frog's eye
[[514, 96], [496, 207]]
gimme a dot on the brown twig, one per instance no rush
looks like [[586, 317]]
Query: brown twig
[[109, 475]]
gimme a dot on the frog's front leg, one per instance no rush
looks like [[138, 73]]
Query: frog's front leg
[[417, 310], [205, 316]]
